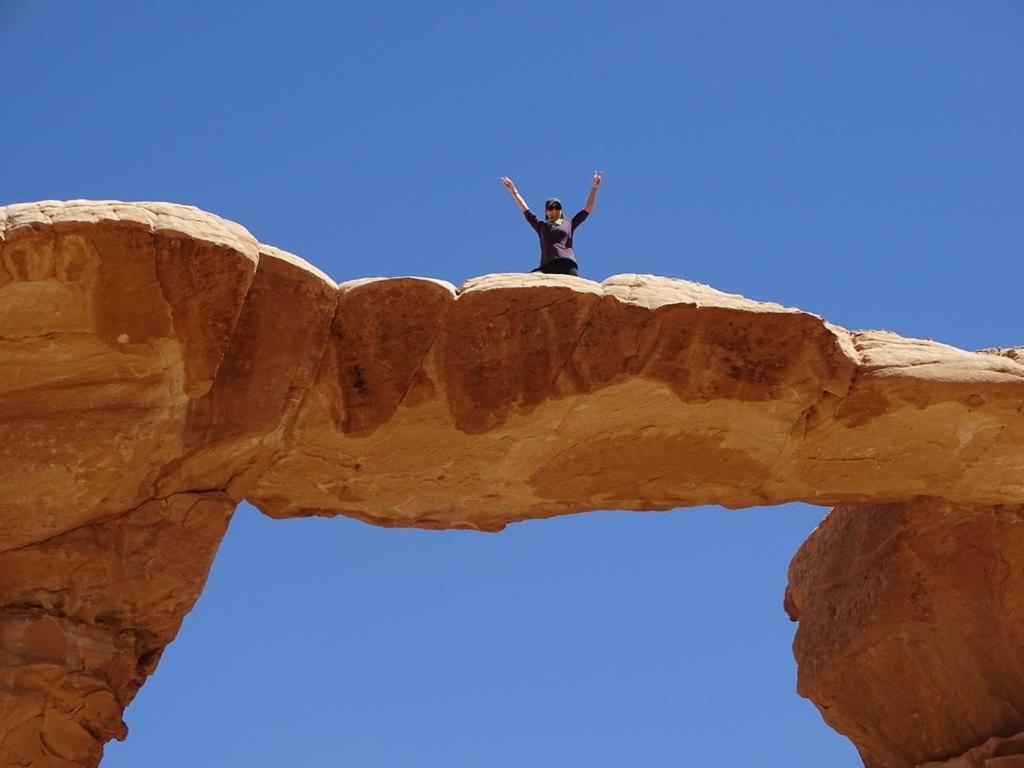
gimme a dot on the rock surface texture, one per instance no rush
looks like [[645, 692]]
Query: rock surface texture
[[911, 638], [158, 365]]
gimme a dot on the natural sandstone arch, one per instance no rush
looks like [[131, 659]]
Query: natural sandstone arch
[[158, 364]]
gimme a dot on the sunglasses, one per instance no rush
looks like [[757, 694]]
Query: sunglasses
[[552, 207]]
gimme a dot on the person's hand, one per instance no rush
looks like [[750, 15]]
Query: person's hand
[[597, 179], [508, 183]]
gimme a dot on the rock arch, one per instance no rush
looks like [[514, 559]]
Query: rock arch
[[159, 365]]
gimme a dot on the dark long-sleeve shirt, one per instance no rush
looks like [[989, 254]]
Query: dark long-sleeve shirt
[[555, 242]]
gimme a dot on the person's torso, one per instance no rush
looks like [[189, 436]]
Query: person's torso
[[556, 241]]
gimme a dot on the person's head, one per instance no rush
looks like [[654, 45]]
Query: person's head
[[552, 208]]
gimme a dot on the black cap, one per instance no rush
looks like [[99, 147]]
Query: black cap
[[550, 200]]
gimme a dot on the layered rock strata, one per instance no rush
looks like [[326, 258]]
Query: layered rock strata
[[159, 364]]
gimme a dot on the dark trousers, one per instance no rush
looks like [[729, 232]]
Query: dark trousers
[[559, 267]]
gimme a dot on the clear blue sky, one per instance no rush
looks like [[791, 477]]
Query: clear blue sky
[[860, 160]]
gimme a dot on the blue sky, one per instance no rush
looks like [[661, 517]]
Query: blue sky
[[863, 161]]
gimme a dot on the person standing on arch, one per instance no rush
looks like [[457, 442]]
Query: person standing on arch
[[555, 232]]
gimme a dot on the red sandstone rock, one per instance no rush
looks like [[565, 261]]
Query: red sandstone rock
[[911, 637], [84, 617], [157, 365], [469, 410], [994, 753], [114, 319], [174, 353]]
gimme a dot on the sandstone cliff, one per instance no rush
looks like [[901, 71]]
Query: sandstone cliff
[[158, 364]]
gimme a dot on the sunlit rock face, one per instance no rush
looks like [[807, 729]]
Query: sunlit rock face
[[911, 636], [126, 366], [151, 349], [529, 396], [84, 617], [158, 364]]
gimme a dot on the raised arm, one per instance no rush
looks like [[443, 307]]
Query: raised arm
[[515, 193], [589, 207]]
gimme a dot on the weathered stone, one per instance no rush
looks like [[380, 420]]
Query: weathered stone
[[173, 362], [59, 690], [529, 396], [269, 363], [157, 364], [100, 359], [911, 636], [84, 617], [995, 753]]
